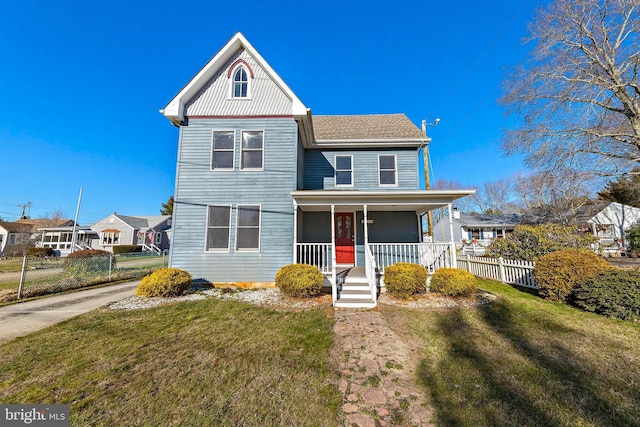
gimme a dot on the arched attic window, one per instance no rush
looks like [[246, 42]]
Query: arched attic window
[[240, 74], [240, 83]]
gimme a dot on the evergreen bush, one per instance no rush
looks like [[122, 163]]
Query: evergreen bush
[[403, 279], [453, 282], [165, 282], [126, 249], [299, 280], [41, 252], [612, 293], [557, 273], [89, 262]]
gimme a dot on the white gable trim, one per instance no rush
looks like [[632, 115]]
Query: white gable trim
[[174, 111]]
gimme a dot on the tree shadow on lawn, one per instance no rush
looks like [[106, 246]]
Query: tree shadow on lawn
[[500, 372]]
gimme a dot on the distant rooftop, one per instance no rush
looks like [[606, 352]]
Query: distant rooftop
[[486, 220]]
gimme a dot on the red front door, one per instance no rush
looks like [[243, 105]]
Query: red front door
[[344, 238]]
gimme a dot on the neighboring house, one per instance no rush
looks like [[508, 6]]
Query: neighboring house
[[15, 238], [60, 238], [608, 221], [472, 233], [150, 232], [262, 183]]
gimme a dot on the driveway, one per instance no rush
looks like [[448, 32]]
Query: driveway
[[18, 320]]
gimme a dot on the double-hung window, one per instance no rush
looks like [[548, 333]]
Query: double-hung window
[[223, 152], [344, 171], [109, 237], [388, 171], [248, 228], [158, 238], [218, 223], [252, 150]]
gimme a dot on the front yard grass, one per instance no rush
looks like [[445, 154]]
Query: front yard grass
[[523, 361], [208, 362]]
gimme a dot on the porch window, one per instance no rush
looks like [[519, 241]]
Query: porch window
[[218, 223], [252, 149], [223, 150], [388, 172], [344, 171], [108, 238], [240, 83], [248, 228]]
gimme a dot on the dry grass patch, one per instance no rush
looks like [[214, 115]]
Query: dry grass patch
[[523, 361], [209, 362]]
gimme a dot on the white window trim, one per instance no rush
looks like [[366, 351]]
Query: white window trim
[[206, 232], [102, 233], [242, 150], [231, 83], [259, 228], [211, 168], [335, 176], [157, 239], [395, 162]]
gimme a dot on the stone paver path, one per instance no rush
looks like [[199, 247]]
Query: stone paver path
[[377, 373]]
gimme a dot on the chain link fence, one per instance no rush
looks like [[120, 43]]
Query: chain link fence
[[40, 276]]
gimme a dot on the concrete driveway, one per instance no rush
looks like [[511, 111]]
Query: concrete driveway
[[18, 320]]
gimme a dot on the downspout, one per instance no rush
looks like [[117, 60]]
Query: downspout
[[295, 232], [452, 249]]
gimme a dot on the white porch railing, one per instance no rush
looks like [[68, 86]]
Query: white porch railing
[[507, 271], [430, 255], [150, 247], [318, 254], [371, 271]]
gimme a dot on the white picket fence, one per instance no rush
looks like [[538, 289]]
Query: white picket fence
[[507, 271]]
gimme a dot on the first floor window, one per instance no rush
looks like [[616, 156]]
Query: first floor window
[[218, 223], [388, 170], [158, 238], [248, 228], [109, 238], [344, 171], [252, 149]]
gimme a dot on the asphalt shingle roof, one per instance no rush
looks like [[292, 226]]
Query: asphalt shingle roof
[[487, 220], [365, 127]]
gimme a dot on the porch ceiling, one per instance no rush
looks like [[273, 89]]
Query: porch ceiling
[[420, 201]]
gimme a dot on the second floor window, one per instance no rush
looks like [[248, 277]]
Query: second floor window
[[388, 172], [344, 171], [240, 83], [252, 149], [223, 152]]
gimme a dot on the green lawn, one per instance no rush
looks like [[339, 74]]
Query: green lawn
[[523, 361], [209, 362]]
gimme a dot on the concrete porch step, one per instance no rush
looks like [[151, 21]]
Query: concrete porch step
[[354, 303], [355, 295]]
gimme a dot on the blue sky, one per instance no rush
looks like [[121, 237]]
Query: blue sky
[[81, 84]]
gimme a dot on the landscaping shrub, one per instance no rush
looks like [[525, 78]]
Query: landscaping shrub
[[632, 235], [41, 252], [299, 280], [557, 273], [126, 249], [453, 282], [613, 293], [165, 282], [89, 261], [403, 279], [529, 243]]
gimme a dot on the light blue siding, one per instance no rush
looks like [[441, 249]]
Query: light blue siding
[[319, 169], [197, 187]]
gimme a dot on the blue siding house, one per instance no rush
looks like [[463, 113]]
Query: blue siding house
[[262, 183]]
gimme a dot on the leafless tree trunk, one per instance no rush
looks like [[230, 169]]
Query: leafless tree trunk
[[578, 98]]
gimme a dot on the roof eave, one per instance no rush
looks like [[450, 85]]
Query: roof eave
[[392, 142]]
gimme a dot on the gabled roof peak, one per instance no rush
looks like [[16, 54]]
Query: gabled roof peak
[[174, 111]]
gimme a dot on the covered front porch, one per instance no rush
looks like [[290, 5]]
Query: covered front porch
[[352, 236]]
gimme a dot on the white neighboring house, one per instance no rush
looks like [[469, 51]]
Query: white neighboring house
[[14, 238], [153, 233], [472, 233], [608, 221], [60, 239]]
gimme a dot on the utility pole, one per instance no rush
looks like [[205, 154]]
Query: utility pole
[[24, 206], [427, 183]]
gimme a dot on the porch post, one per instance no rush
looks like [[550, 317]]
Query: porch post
[[295, 232], [334, 288], [366, 226], [454, 262]]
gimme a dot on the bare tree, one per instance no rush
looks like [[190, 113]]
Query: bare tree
[[495, 197], [553, 196], [578, 98]]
